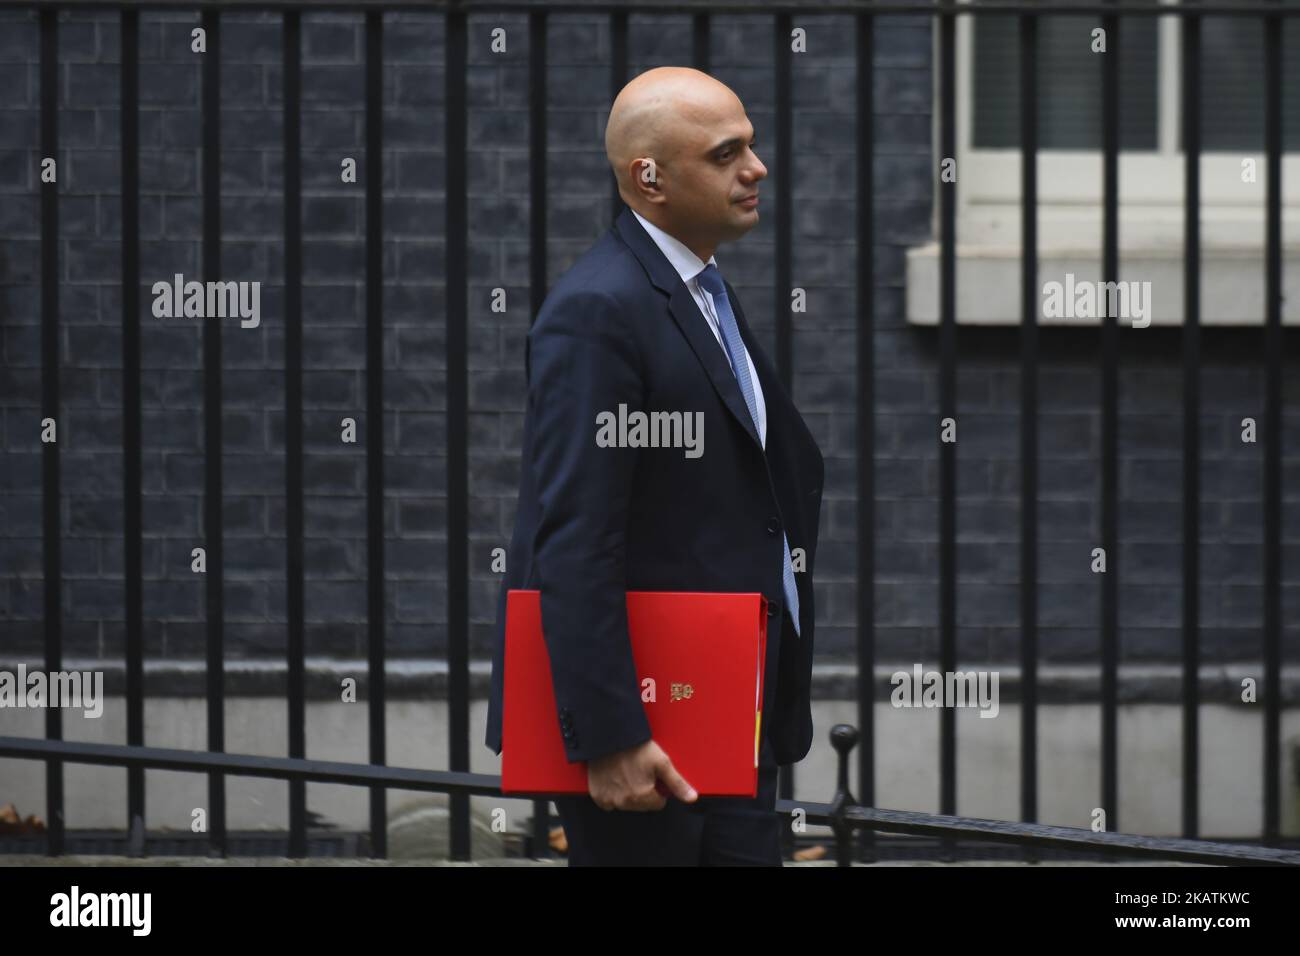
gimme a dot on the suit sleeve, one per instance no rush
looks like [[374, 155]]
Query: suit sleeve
[[582, 362]]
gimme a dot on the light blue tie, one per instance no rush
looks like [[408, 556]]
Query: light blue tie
[[711, 282]]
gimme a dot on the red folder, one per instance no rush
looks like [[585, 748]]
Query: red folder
[[699, 655]]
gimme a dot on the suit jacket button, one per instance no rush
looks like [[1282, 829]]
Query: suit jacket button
[[773, 608], [773, 525]]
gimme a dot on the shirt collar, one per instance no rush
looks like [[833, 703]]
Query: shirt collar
[[687, 263]]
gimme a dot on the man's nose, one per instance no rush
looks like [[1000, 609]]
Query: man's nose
[[758, 170]]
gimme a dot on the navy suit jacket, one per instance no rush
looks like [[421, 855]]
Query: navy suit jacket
[[620, 327]]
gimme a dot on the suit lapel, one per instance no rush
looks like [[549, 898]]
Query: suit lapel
[[684, 311]]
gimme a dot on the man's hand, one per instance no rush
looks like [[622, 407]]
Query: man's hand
[[627, 780]]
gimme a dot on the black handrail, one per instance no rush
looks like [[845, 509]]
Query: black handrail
[[843, 815]]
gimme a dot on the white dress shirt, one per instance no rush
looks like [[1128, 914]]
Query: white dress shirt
[[688, 266]]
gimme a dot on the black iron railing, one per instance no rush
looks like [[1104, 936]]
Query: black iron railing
[[843, 814]]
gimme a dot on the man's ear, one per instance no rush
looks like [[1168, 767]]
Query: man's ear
[[645, 182]]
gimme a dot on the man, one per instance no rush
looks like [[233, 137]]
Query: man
[[644, 320]]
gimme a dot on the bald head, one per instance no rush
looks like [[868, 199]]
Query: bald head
[[692, 132], [658, 114]]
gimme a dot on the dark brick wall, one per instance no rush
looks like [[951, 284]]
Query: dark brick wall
[[906, 391]]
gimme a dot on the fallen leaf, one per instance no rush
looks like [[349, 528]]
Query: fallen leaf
[[12, 822], [811, 853], [559, 842]]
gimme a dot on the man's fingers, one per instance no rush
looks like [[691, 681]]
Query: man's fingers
[[638, 802], [649, 800], [677, 784], [618, 792]]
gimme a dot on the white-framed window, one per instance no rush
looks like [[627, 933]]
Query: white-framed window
[[1151, 164]]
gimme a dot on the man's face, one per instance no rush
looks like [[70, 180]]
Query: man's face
[[713, 170]]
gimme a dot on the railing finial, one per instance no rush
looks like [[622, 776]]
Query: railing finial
[[844, 737]]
